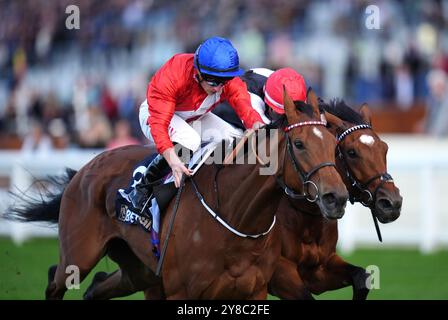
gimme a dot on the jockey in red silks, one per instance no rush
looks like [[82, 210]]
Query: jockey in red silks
[[265, 88], [179, 99]]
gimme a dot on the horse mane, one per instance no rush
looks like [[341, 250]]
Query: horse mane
[[340, 109], [282, 122]]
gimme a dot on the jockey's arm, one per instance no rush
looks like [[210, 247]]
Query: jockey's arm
[[176, 165], [239, 99], [258, 125]]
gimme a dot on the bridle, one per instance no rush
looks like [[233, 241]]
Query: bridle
[[305, 176], [362, 188]]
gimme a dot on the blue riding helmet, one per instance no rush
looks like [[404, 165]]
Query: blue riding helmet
[[217, 57]]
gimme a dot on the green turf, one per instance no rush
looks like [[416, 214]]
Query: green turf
[[404, 274], [23, 270]]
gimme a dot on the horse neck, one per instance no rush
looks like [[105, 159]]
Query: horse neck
[[252, 199]]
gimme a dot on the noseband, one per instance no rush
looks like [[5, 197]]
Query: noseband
[[363, 188], [305, 176]]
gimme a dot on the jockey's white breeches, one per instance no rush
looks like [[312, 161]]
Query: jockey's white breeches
[[209, 127]]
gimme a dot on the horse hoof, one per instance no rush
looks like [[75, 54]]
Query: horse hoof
[[360, 289], [361, 294], [97, 278]]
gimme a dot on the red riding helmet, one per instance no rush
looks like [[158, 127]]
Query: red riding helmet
[[273, 89]]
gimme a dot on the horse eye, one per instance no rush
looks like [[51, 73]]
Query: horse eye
[[299, 144], [352, 153]]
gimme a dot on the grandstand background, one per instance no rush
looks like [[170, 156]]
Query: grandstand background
[[67, 95]]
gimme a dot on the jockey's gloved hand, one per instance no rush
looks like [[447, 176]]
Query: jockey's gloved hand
[[176, 165], [257, 125]]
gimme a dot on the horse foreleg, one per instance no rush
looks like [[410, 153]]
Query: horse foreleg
[[336, 274], [286, 282]]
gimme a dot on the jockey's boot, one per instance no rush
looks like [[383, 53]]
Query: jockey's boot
[[156, 170]]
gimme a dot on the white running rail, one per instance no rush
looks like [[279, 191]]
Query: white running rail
[[418, 164]]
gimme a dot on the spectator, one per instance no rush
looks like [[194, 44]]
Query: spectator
[[37, 142], [119, 39], [437, 120], [96, 130], [122, 135]]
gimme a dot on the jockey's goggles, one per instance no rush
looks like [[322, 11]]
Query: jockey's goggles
[[214, 81]]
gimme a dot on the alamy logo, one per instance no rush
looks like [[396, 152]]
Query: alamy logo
[[373, 18], [373, 281], [72, 281], [73, 20]]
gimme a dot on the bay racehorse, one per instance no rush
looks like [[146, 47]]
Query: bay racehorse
[[309, 262], [204, 260]]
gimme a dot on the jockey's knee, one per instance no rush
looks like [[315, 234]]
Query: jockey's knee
[[219, 134], [191, 142], [230, 135]]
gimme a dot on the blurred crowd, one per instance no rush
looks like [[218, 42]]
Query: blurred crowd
[[82, 87]]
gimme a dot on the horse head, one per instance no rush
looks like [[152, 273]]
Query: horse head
[[309, 163], [361, 160]]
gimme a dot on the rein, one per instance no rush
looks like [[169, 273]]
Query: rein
[[224, 223], [228, 160], [249, 134]]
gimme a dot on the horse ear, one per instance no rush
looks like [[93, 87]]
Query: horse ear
[[366, 114], [333, 120], [334, 124], [308, 91], [312, 100], [290, 107]]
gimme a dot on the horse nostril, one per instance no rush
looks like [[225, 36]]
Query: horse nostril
[[333, 205], [334, 200], [329, 200], [385, 204]]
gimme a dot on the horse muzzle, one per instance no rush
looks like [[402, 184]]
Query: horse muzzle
[[388, 209], [333, 204]]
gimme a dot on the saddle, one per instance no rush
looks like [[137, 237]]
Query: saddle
[[163, 191]]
